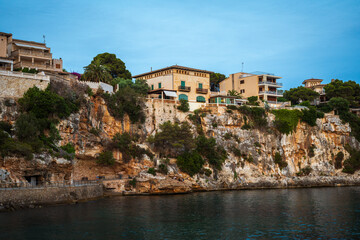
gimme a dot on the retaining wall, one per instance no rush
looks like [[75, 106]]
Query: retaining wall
[[17, 198]]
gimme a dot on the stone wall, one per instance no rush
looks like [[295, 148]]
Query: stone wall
[[17, 198], [14, 85]]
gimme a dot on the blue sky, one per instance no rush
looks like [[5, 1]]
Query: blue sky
[[293, 39]]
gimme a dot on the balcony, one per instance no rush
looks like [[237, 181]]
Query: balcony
[[184, 88], [275, 93], [37, 66], [202, 90], [31, 53], [270, 83]]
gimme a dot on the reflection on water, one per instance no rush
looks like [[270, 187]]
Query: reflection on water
[[320, 213]]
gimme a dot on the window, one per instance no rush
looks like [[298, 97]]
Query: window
[[242, 81], [200, 99], [159, 84], [200, 85], [57, 65], [242, 91], [182, 83], [183, 96], [152, 87]]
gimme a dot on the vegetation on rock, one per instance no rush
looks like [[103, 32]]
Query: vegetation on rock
[[184, 105], [300, 93], [106, 158]]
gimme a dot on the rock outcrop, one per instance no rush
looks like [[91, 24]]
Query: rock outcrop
[[91, 130]]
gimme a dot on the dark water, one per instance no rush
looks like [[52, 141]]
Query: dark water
[[318, 213]]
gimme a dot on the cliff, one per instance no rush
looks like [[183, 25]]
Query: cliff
[[309, 152]]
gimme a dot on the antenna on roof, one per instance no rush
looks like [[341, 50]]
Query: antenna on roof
[[44, 39], [150, 69], [242, 67]]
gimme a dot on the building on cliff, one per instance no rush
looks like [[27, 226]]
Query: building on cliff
[[187, 83], [317, 86], [19, 54], [261, 84]]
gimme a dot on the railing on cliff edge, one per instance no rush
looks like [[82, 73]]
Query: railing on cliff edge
[[26, 185]]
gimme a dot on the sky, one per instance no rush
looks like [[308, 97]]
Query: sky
[[293, 39]]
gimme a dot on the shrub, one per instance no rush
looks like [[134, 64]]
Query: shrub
[[106, 158], [309, 116], [231, 107], [257, 116], [125, 144], [5, 126], [213, 153], [257, 145], [184, 105], [286, 120], [95, 131], [352, 164], [45, 104], [207, 172], [236, 151], [69, 148], [190, 162], [338, 160], [253, 101], [311, 152], [126, 101], [133, 182], [173, 139], [227, 136], [304, 171], [151, 171], [27, 127], [278, 159], [163, 168], [13, 147], [250, 159]]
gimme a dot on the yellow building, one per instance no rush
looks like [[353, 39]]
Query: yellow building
[[27, 54], [188, 83], [263, 85]]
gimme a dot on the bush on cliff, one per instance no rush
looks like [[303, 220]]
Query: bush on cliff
[[173, 139], [190, 162], [5, 126], [184, 106], [278, 159], [352, 164], [106, 158], [212, 152], [286, 120], [255, 115], [126, 101], [125, 143], [338, 160]]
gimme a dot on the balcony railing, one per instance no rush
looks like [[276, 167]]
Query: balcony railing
[[270, 83], [202, 90], [277, 93], [184, 88], [36, 53]]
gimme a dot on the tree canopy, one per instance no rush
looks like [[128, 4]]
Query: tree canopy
[[215, 79], [115, 66], [295, 94], [96, 72], [349, 90]]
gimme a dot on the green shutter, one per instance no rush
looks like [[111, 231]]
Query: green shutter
[[183, 96], [200, 85], [152, 87], [183, 83], [159, 84], [200, 99]]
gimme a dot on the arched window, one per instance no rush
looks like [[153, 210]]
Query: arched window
[[200, 99], [183, 96]]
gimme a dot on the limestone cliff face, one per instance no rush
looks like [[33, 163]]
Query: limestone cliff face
[[308, 147]]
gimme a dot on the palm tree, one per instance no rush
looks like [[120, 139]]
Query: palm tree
[[95, 72], [234, 93]]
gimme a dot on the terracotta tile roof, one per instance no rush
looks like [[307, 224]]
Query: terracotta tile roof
[[172, 67], [312, 80]]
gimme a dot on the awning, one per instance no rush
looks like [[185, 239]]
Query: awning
[[170, 94], [30, 46]]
